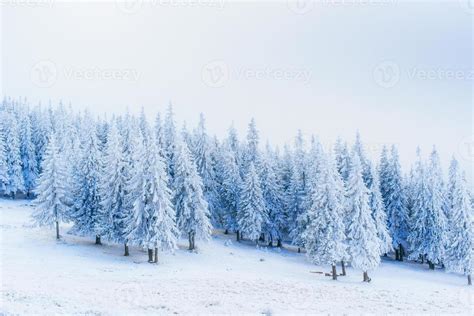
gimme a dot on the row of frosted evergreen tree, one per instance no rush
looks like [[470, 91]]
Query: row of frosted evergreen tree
[[127, 181]]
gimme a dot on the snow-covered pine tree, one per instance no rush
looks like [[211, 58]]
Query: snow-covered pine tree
[[294, 205], [363, 243], [192, 212], [230, 186], [342, 156], [3, 162], [40, 129], [460, 251], [435, 216], [252, 152], [154, 224], [393, 194], [169, 136], [15, 182], [85, 212], [159, 135], [298, 191], [365, 162], [419, 198], [28, 155], [378, 214], [135, 158], [274, 203], [202, 148], [51, 198], [252, 213], [114, 206], [324, 235]]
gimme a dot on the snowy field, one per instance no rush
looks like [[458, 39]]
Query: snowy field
[[42, 276]]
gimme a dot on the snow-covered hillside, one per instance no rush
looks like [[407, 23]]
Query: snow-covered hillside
[[41, 275]]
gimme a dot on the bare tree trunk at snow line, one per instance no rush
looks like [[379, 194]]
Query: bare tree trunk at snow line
[[366, 277], [126, 250], [150, 255], [343, 268], [401, 251], [431, 265], [97, 240], [469, 281], [57, 230], [334, 272], [156, 255]]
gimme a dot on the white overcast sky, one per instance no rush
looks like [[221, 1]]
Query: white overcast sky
[[397, 71]]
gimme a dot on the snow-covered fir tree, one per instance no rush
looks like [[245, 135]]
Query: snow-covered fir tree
[[459, 255], [391, 184], [435, 213], [419, 199], [230, 186], [52, 200], [363, 242], [153, 225], [85, 212], [3, 162], [342, 156], [192, 212], [15, 183], [202, 149], [169, 137], [365, 162], [378, 214], [114, 205], [252, 216], [325, 233], [251, 152], [28, 155], [274, 203]]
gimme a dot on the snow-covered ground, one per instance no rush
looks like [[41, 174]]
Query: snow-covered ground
[[41, 275]]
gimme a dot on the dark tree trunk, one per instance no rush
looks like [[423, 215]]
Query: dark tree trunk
[[150, 255], [401, 251], [422, 259], [226, 232], [397, 256], [366, 277], [343, 267], [299, 249], [191, 241], [334, 273], [262, 237], [57, 230], [156, 255], [279, 243], [469, 281], [126, 250], [97, 240], [431, 265], [238, 236]]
